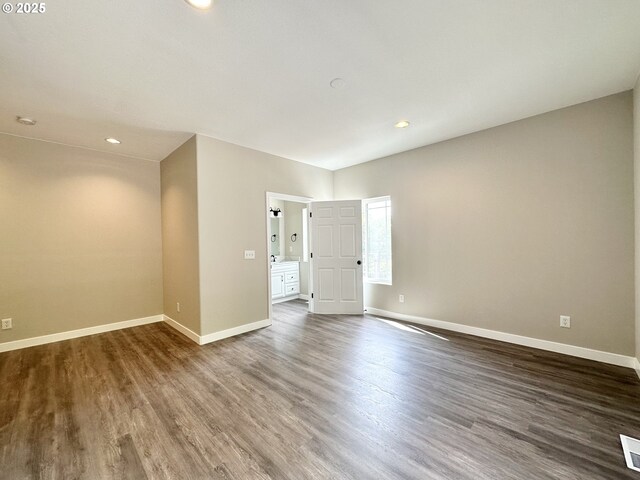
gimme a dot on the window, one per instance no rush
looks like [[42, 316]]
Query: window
[[376, 234]]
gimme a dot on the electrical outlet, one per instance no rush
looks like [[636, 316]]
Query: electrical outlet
[[7, 324], [565, 321], [178, 307], [401, 298], [249, 254]]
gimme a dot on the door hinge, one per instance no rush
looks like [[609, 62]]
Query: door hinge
[[310, 214], [312, 295], [311, 255]]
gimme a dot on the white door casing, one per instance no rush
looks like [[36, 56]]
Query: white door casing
[[336, 257]]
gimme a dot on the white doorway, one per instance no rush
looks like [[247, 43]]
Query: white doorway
[[287, 248], [328, 258]]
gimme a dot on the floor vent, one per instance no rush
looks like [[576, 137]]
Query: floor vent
[[631, 447]]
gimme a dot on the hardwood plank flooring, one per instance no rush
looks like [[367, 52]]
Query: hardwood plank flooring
[[312, 397]]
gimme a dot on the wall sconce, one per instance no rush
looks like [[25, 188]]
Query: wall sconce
[[294, 237], [275, 213]]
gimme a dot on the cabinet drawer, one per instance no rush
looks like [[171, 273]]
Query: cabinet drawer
[[291, 289], [291, 277]]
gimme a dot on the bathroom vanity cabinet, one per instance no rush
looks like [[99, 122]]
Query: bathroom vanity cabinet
[[285, 280]]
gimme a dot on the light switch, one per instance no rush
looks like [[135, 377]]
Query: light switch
[[249, 254]]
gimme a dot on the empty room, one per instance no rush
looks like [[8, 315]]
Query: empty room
[[320, 240]]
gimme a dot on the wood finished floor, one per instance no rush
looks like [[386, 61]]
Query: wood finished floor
[[310, 398]]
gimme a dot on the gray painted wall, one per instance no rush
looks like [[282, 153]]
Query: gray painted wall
[[180, 251], [80, 242], [232, 186], [508, 228]]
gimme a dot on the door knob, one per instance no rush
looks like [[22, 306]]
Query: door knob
[[359, 262]]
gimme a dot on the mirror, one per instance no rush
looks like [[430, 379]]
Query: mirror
[[275, 236]]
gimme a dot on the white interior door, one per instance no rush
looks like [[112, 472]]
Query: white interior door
[[336, 257]]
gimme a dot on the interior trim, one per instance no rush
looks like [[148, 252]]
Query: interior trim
[[232, 332], [581, 352], [215, 336], [182, 329], [82, 332]]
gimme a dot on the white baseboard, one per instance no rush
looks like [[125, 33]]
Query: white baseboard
[[597, 355], [300, 296], [232, 332], [637, 367], [182, 329], [284, 299], [83, 332], [214, 337]]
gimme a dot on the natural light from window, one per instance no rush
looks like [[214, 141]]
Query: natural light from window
[[376, 245], [410, 328]]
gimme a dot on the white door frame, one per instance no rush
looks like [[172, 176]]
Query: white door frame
[[288, 198]]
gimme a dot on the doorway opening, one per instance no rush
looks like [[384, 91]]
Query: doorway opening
[[287, 248], [314, 252]]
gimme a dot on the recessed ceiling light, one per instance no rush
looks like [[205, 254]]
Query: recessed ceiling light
[[26, 121], [200, 4], [337, 83], [113, 141], [402, 124]]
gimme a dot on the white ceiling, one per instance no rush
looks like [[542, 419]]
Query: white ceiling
[[257, 72]]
